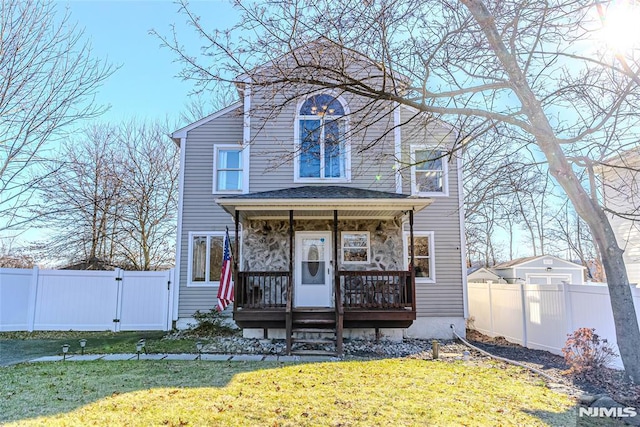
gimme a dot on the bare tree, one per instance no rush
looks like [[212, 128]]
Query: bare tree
[[112, 197], [530, 70], [48, 79], [80, 197], [148, 199], [14, 258]]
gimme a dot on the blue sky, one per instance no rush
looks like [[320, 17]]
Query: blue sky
[[145, 85]]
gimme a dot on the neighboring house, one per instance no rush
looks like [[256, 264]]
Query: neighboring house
[[540, 270], [483, 275], [621, 194], [324, 225]]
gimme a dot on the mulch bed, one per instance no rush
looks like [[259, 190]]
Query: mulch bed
[[604, 381]]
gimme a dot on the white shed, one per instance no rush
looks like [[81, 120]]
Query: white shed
[[541, 270], [483, 275]]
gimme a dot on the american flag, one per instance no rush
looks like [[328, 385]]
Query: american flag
[[225, 290]]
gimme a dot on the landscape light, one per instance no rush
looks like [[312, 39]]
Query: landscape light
[[199, 348], [139, 348], [65, 350], [83, 344]]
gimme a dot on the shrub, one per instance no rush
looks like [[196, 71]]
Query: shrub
[[211, 323], [584, 351]]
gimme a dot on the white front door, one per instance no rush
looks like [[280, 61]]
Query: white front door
[[313, 269]]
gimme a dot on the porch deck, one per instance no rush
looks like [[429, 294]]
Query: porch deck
[[366, 299]]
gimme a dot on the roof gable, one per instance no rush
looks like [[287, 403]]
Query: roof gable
[[182, 132], [520, 262]]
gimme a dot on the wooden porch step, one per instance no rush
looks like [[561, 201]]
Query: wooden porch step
[[314, 321], [314, 341], [313, 310], [314, 353], [314, 330]]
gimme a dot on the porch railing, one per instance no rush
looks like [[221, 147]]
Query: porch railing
[[262, 289], [376, 289], [358, 289]]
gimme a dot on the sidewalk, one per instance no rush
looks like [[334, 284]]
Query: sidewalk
[[186, 356]]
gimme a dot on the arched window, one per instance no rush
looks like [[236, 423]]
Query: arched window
[[322, 148]]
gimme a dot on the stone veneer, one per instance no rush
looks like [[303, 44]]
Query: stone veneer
[[265, 244], [265, 247]]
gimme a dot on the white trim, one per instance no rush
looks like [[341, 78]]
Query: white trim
[[347, 140], [445, 172], [528, 276], [540, 257], [325, 204], [207, 234], [182, 132], [245, 169], [246, 119], [432, 253], [183, 151], [342, 248], [397, 146], [463, 238]]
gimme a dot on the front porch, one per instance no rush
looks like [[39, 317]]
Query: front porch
[[312, 288]]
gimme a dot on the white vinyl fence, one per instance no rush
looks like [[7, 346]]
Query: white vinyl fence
[[541, 316], [54, 300]]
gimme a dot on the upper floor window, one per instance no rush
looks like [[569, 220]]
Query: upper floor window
[[322, 149], [228, 169], [429, 172]]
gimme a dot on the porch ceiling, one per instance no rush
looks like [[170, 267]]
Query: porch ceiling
[[320, 202]]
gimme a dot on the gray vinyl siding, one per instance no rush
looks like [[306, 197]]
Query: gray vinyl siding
[[272, 145], [271, 168], [200, 213], [445, 296]]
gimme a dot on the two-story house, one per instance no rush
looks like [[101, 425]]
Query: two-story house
[[345, 216]]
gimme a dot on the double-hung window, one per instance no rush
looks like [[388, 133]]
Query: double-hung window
[[205, 257], [423, 260], [429, 172], [228, 169], [355, 247], [322, 149]]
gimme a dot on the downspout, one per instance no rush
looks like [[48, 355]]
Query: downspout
[[412, 264]]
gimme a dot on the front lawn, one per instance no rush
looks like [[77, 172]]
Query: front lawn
[[379, 392], [102, 342]]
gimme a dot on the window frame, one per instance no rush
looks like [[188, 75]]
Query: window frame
[[431, 257], [208, 234], [298, 143], [244, 158], [445, 172], [342, 247]]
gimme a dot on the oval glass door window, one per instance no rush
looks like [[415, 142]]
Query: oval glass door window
[[313, 260]]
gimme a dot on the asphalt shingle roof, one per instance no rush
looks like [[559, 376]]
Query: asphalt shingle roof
[[320, 192]]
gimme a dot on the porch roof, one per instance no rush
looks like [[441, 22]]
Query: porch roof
[[320, 202]]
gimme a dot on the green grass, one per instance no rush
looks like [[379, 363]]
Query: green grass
[[105, 342], [356, 393]]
